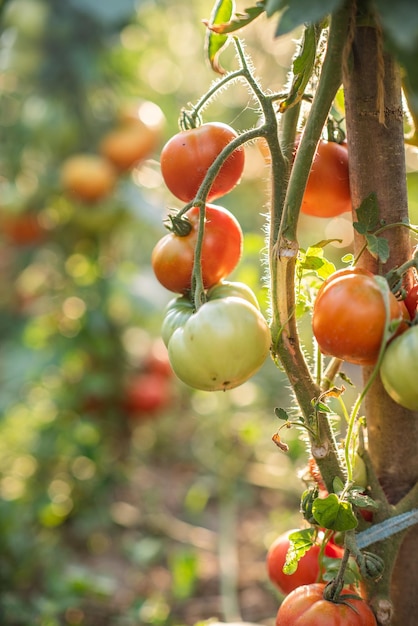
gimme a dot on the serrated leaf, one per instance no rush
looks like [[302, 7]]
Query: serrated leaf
[[239, 20], [346, 378], [367, 215], [300, 542], [378, 247], [298, 12], [333, 513], [281, 414], [302, 69], [215, 43], [362, 500]]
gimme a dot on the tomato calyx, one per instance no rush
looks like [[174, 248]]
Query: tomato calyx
[[179, 224], [189, 119]]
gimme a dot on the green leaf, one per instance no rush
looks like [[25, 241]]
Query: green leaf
[[337, 484], [400, 22], [215, 43], [367, 215], [333, 513], [239, 20], [362, 500], [298, 12], [300, 542], [378, 247], [303, 66], [281, 414]]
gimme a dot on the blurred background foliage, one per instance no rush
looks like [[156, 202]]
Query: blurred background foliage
[[125, 498]]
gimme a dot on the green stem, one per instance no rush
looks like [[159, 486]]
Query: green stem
[[328, 85], [283, 251], [381, 230]]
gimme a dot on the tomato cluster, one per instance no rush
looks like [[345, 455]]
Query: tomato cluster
[[349, 316], [224, 341], [91, 177]]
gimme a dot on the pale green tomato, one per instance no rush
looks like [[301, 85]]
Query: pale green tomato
[[220, 346], [177, 313], [398, 371], [229, 288]]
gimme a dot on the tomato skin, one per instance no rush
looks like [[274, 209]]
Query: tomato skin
[[398, 371], [411, 301], [220, 346], [232, 288], [348, 317], [187, 156], [180, 309], [308, 566], [173, 256], [305, 606], [177, 312], [327, 192]]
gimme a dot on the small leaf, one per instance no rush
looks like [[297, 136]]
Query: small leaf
[[367, 215], [337, 484], [333, 513], [215, 43], [281, 414], [346, 379], [322, 407], [300, 542], [362, 500], [303, 66], [378, 247], [239, 20]]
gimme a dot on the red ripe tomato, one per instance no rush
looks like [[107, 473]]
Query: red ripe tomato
[[327, 191], [411, 301], [147, 393], [22, 229], [173, 257], [187, 156], [349, 317], [306, 606], [308, 566]]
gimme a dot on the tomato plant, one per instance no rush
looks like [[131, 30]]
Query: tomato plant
[[308, 570], [306, 605], [220, 346], [327, 192], [88, 177], [173, 256], [187, 156], [349, 317], [399, 368]]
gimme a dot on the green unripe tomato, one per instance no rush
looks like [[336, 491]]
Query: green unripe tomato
[[220, 346], [398, 371]]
